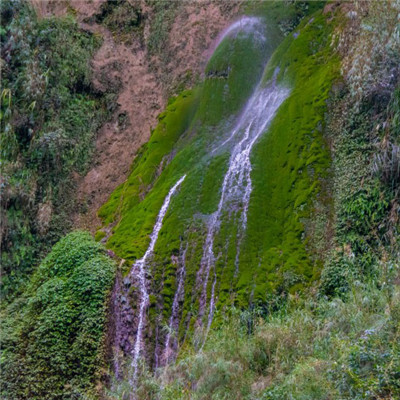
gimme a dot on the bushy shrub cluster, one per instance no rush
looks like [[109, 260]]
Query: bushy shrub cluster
[[363, 126], [52, 336], [122, 17], [49, 114]]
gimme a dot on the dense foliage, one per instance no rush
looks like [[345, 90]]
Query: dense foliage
[[49, 114], [312, 312], [309, 349], [364, 132], [53, 335]]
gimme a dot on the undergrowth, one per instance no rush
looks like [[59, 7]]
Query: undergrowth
[[363, 129], [52, 339], [307, 348], [49, 115]]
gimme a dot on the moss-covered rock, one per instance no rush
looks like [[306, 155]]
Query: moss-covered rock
[[288, 164]]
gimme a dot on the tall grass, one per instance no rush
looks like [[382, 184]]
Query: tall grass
[[309, 349]]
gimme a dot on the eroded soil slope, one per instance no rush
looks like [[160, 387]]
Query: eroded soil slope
[[141, 79]]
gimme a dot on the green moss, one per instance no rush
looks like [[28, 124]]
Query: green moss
[[231, 77], [288, 164], [99, 235]]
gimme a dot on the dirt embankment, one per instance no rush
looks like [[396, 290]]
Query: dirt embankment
[[144, 82]]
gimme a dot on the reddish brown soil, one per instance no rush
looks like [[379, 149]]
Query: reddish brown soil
[[145, 83]]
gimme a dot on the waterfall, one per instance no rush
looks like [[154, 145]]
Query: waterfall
[[173, 323], [140, 267], [237, 185], [234, 198], [246, 25]]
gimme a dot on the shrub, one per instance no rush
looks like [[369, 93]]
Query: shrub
[[337, 276], [52, 340], [49, 115], [121, 17]]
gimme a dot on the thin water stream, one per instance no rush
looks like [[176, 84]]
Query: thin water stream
[[237, 186], [140, 268], [173, 323]]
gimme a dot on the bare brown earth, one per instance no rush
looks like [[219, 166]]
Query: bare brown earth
[[144, 83]]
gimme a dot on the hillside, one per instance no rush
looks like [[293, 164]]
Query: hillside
[[233, 169]]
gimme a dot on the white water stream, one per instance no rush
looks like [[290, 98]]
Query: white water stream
[[237, 185], [235, 195], [247, 25], [173, 323], [140, 267]]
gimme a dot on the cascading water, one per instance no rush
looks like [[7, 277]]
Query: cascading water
[[237, 185], [174, 320], [247, 25], [234, 198], [139, 267]]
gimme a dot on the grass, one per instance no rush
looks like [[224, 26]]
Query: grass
[[310, 348]]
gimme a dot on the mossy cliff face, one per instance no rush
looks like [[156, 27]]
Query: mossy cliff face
[[289, 163], [280, 286]]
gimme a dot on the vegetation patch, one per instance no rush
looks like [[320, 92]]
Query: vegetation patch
[[122, 18], [288, 165], [49, 116], [53, 335], [306, 348]]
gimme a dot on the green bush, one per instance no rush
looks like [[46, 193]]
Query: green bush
[[49, 115], [52, 339], [337, 276], [120, 17]]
